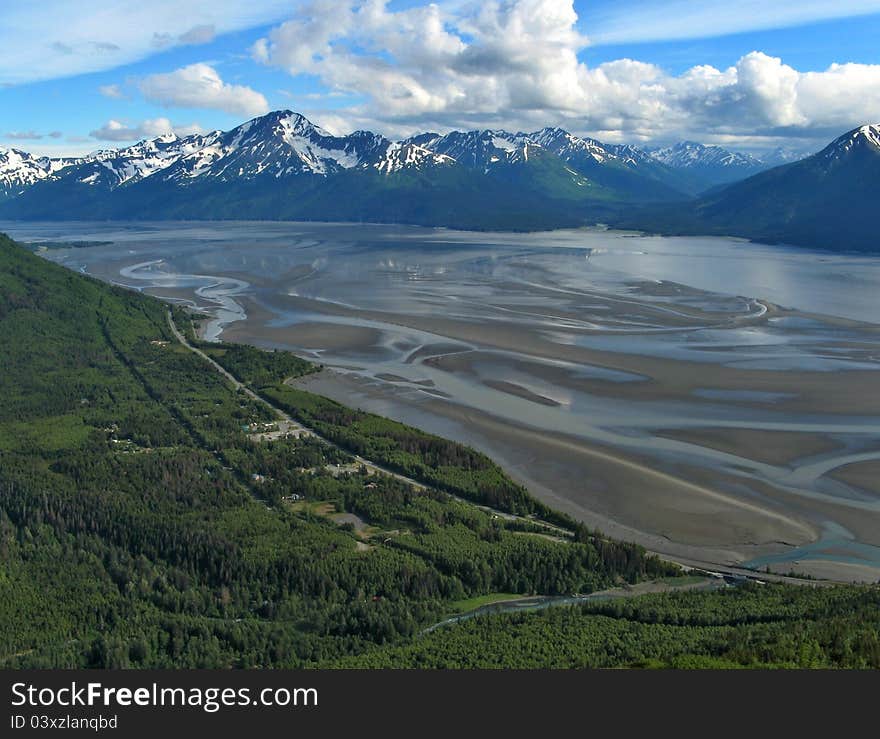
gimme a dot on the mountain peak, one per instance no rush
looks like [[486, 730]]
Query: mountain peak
[[19, 169], [871, 133], [692, 155], [865, 137], [291, 123]]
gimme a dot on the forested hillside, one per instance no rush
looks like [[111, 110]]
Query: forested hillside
[[749, 626], [153, 516], [145, 521]]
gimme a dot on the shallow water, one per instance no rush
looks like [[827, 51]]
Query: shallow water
[[600, 337]]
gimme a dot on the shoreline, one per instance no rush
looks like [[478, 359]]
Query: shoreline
[[719, 554], [586, 227], [727, 442]]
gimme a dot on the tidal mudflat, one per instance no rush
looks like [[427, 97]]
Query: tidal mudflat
[[713, 399]]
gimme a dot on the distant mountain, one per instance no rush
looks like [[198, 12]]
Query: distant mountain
[[826, 201], [779, 156], [480, 150], [112, 168], [515, 160], [623, 169], [708, 166], [285, 144], [282, 166], [19, 170], [607, 171]]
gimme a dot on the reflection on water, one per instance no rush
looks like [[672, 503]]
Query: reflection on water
[[603, 337], [220, 292]]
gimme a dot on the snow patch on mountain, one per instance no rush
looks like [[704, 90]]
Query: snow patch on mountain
[[867, 136], [406, 155], [284, 144], [690, 154], [18, 169], [481, 150]]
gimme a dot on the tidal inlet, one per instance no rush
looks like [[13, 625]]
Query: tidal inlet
[[712, 399]]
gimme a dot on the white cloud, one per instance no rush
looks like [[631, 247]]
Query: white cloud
[[112, 91], [201, 34], [666, 20], [515, 64], [114, 130], [59, 38], [200, 86], [29, 135]]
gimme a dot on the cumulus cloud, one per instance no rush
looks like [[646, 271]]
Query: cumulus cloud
[[200, 86], [114, 130], [515, 63]]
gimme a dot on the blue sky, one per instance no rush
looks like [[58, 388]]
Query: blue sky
[[76, 75]]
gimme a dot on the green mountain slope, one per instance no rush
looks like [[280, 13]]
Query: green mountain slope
[[825, 201], [541, 194], [143, 524]]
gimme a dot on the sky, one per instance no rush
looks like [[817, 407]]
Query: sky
[[752, 75]]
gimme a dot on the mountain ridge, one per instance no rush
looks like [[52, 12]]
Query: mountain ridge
[[281, 166], [824, 201]]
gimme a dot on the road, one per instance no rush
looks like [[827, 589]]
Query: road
[[298, 427], [374, 468]]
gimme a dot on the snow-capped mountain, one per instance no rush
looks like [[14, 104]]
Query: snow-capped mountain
[[285, 144], [780, 155], [865, 139], [622, 167], [574, 148], [278, 144], [396, 156], [480, 150], [713, 165], [689, 154], [827, 200], [19, 170], [611, 170], [114, 167]]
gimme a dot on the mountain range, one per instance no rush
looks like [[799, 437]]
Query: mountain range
[[824, 201], [282, 166]]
